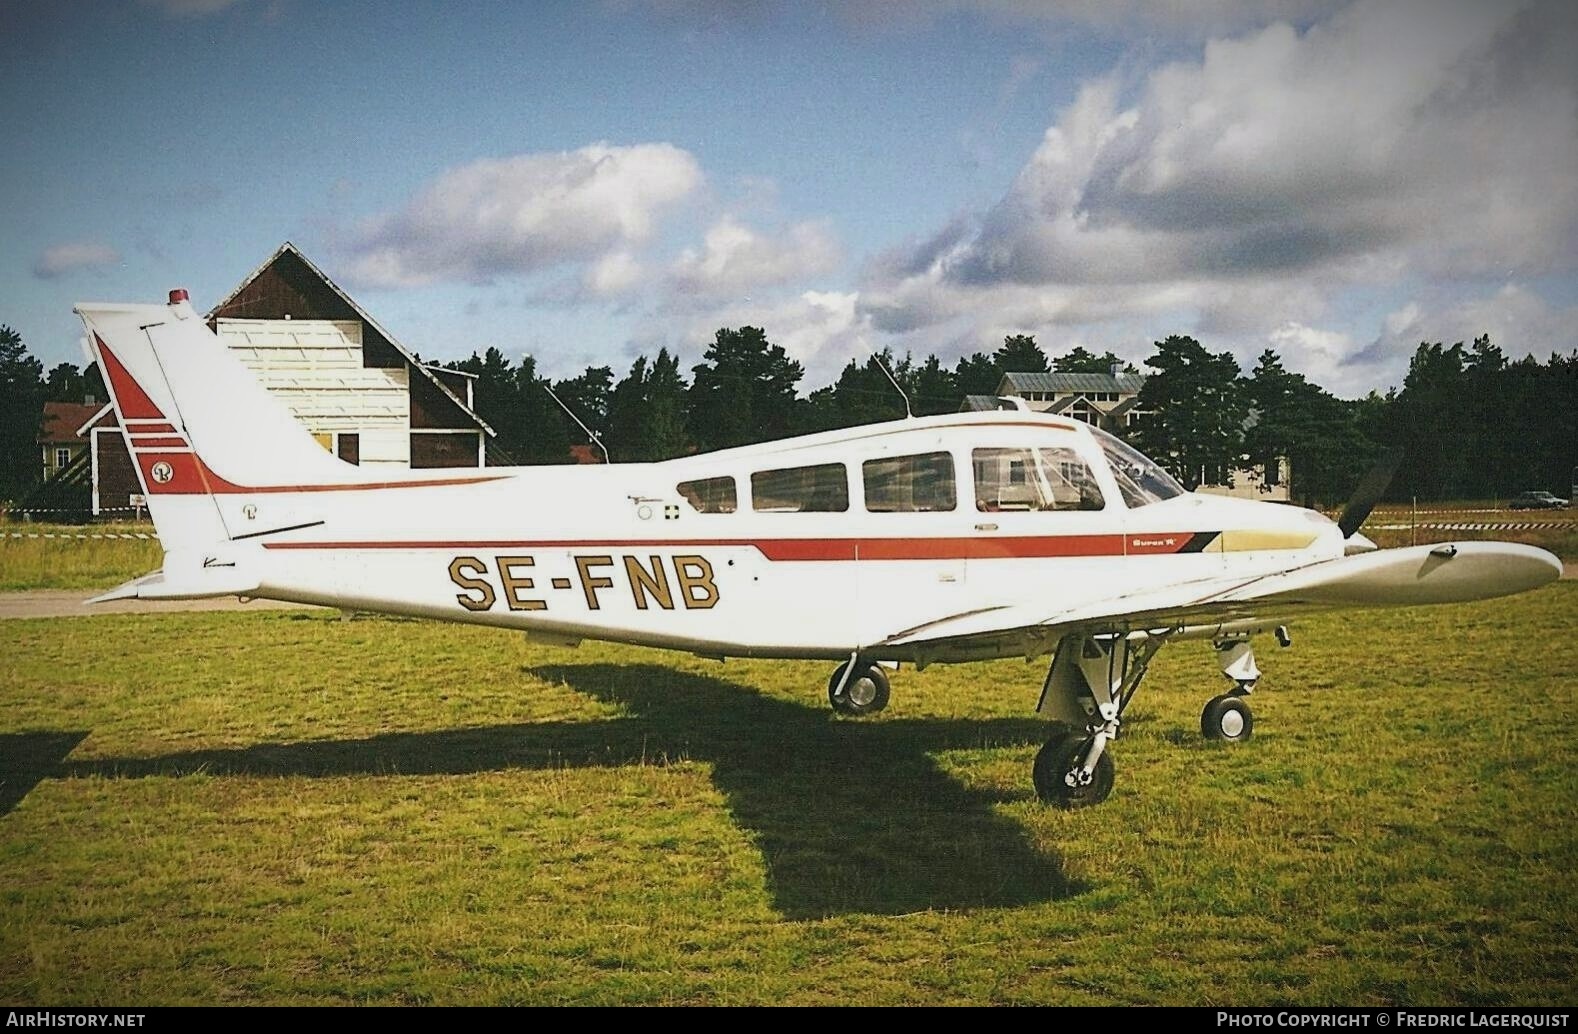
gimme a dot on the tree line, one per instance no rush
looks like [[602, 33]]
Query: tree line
[[1472, 423], [745, 390]]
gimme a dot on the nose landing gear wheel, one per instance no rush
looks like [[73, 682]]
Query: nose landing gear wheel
[[865, 693], [1227, 718], [1054, 773]]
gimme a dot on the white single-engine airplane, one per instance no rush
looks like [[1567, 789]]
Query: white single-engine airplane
[[929, 540]]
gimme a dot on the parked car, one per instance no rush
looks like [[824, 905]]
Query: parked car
[[1536, 501]]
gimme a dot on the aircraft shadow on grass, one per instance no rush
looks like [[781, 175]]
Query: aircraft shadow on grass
[[27, 758], [850, 817]]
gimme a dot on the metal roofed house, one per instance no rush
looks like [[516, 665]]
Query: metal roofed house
[[1105, 399], [363, 395]]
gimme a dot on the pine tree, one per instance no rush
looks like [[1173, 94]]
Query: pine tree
[[1020, 354], [21, 410], [743, 391], [1194, 422]]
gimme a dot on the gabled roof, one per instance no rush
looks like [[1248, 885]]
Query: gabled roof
[[1124, 406], [406, 353], [62, 422], [98, 418], [1071, 383]]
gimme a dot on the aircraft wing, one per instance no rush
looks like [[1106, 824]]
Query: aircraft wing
[[1389, 577]]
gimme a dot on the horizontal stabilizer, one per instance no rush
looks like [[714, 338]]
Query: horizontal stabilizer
[[123, 591], [193, 577]]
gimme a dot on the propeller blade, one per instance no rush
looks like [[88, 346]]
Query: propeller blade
[[1370, 490]]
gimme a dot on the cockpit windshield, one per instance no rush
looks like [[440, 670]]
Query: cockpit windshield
[[1140, 480]]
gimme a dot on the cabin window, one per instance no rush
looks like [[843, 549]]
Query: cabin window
[[1033, 479], [62, 458], [820, 489], [910, 484], [709, 495], [1140, 480]]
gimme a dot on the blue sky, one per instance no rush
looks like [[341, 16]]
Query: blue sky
[[589, 181]]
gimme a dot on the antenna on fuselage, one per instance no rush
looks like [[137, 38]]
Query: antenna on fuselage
[[571, 414], [908, 413]]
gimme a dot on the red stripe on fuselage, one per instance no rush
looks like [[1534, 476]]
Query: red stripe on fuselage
[[1005, 547]]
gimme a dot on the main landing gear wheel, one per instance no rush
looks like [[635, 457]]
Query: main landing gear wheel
[[866, 691], [1058, 772], [1227, 718]]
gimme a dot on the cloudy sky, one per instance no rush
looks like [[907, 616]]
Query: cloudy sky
[[587, 182]]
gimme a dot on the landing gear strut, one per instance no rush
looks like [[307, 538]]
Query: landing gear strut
[[1090, 684], [858, 688], [1087, 690]]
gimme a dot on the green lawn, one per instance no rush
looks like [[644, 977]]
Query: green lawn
[[288, 808], [68, 556]]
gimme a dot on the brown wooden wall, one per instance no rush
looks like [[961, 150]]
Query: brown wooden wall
[[443, 450], [458, 383], [117, 476], [431, 408]]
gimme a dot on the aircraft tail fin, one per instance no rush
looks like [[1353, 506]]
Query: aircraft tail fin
[[207, 441]]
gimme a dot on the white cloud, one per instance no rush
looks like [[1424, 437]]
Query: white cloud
[[524, 214], [1518, 321], [70, 258], [614, 274], [1402, 321], [1321, 356], [1247, 189], [822, 330], [734, 258]]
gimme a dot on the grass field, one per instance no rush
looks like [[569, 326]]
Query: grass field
[[1561, 540], [70, 562], [288, 808]]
